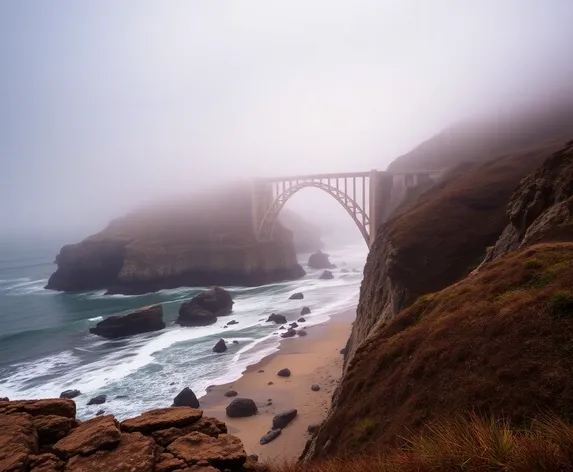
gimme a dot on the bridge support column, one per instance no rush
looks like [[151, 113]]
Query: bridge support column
[[381, 184], [261, 200]]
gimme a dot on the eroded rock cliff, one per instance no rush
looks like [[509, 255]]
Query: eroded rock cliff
[[207, 240]]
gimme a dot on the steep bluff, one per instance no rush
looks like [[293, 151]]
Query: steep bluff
[[207, 240], [541, 208], [439, 238]]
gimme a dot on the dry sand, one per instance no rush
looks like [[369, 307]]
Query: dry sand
[[313, 359]]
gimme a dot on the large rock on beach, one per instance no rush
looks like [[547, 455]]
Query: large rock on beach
[[143, 320], [281, 420], [241, 407], [186, 397], [270, 436], [284, 373], [320, 260], [203, 309]]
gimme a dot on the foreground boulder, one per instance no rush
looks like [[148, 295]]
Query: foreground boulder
[[241, 407], [141, 321], [278, 319], [162, 440], [186, 397], [203, 309], [320, 260]]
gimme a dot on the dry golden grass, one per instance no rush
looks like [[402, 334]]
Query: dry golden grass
[[472, 444]]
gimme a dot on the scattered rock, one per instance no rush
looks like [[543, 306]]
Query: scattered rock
[[283, 419], [98, 400], [294, 325], [90, 436], [312, 428], [241, 407], [343, 351], [296, 296], [284, 373], [220, 347], [134, 453], [161, 418], [235, 341], [70, 394], [278, 319], [305, 311], [203, 309], [282, 327], [270, 436], [315, 388], [301, 320], [100, 412], [186, 397], [224, 452], [231, 393], [289, 334], [261, 371], [302, 332], [320, 260], [141, 321], [120, 397], [326, 275], [271, 383], [232, 322]]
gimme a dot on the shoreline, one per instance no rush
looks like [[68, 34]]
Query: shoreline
[[312, 359]]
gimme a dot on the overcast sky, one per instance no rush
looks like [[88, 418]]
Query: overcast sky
[[105, 103]]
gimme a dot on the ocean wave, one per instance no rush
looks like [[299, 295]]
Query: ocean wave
[[96, 318]]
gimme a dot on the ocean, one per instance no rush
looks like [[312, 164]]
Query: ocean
[[46, 347]]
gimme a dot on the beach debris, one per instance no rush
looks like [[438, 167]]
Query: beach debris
[[241, 407], [296, 296], [278, 319], [315, 387], [221, 346], [70, 394], [232, 322], [284, 373], [326, 275], [294, 325], [312, 428], [302, 332], [186, 397], [283, 419], [100, 412], [231, 393], [301, 320], [270, 436], [305, 311], [289, 334], [98, 400]]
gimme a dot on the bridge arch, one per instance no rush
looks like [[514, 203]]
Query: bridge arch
[[357, 212]]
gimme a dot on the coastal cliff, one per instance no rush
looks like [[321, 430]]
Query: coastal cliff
[[207, 240]]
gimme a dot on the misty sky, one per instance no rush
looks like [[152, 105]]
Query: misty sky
[[106, 103]]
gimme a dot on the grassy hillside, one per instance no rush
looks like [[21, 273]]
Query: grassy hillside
[[496, 344]]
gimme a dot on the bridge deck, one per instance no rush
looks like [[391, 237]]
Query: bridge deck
[[342, 175]]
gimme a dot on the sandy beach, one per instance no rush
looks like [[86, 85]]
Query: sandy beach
[[312, 359]]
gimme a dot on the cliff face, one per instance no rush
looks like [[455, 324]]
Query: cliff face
[[439, 238], [208, 240], [496, 344], [541, 208]]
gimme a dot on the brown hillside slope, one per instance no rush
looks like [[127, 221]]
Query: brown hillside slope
[[541, 208], [440, 238], [482, 139], [498, 343]]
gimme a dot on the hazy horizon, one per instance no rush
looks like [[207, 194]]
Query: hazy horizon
[[107, 105]]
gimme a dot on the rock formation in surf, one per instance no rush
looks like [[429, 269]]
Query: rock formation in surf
[[203, 309], [143, 320], [44, 436], [204, 241]]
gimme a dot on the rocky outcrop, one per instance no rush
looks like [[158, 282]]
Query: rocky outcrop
[[168, 440], [203, 309], [320, 260], [541, 208], [201, 241], [143, 320], [462, 216]]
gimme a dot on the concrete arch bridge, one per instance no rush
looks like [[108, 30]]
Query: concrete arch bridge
[[366, 196]]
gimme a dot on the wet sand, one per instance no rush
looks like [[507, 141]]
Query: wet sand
[[312, 359]]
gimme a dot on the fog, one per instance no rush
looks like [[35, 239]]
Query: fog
[[107, 104]]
